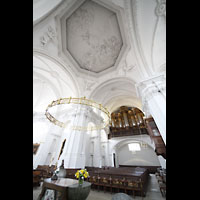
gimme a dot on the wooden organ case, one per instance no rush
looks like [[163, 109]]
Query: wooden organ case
[[127, 121]]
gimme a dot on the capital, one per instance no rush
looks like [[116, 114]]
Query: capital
[[153, 86]]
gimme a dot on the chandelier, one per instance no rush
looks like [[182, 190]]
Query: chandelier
[[81, 101]]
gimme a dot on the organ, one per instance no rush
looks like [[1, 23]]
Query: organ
[[127, 121]]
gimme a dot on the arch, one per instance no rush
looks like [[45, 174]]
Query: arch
[[50, 80], [144, 157], [131, 140], [120, 90], [58, 66]]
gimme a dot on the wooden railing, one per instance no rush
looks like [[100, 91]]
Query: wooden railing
[[155, 135], [128, 131]]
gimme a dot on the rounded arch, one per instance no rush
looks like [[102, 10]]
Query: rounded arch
[[51, 81], [117, 92], [55, 71], [144, 157], [132, 140]]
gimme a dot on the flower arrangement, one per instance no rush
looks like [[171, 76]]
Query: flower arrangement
[[81, 174]]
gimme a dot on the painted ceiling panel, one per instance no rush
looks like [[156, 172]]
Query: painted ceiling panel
[[93, 37]]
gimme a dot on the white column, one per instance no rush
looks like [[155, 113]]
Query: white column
[[107, 150], [99, 148], [157, 109], [162, 162], [46, 148], [74, 156], [97, 158], [153, 94]]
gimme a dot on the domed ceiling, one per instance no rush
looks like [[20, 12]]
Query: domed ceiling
[[95, 29], [92, 36]]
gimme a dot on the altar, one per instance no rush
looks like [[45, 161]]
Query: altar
[[69, 189]]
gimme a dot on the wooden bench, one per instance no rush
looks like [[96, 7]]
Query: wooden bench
[[70, 172], [134, 179], [46, 170], [37, 177], [151, 169]]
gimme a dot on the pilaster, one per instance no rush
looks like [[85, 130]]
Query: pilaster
[[153, 94]]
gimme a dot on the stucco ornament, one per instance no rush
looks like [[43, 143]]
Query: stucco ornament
[[47, 36], [161, 8]]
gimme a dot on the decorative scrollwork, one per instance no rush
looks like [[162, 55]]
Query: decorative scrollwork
[[161, 8], [49, 35]]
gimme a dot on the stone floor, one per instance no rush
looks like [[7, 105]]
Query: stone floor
[[153, 192]]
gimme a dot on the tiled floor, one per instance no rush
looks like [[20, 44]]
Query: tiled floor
[[153, 192]]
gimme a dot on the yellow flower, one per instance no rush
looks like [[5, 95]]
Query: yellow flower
[[77, 174], [82, 173]]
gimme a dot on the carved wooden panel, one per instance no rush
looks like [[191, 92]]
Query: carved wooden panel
[[127, 121], [156, 137]]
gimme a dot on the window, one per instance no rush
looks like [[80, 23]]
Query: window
[[134, 147]]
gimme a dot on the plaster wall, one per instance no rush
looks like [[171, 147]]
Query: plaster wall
[[145, 157]]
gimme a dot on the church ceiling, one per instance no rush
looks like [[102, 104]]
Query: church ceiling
[[92, 36], [111, 39]]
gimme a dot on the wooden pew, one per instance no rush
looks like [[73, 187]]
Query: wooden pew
[[37, 177], [71, 172], [134, 179], [151, 169], [46, 170]]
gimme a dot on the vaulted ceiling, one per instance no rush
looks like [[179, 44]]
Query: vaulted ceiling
[[107, 46], [93, 37]]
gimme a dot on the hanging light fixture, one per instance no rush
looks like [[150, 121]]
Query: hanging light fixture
[[83, 102], [104, 113]]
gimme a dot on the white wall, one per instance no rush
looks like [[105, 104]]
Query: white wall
[[145, 157], [50, 82], [119, 146]]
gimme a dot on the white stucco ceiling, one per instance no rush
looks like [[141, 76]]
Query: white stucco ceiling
[[113, 39], [41, 8], [93, 36]]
